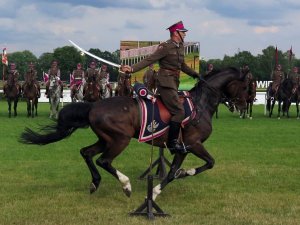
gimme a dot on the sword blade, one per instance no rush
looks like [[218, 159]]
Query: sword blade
[[94, 56]]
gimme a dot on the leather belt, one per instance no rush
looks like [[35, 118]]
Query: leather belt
[[176, 72]]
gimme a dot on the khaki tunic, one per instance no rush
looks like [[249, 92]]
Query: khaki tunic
[[91, 75], [78, 74], [15, 74], [170, 56], [54, 72], [30, 75], [277, 78]]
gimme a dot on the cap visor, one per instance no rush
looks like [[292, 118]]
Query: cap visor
[[182, 30]]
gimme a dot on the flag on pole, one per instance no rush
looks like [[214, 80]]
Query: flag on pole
[[71, 79], [4, 57], [290, 54], [276, 56], [45, 77]]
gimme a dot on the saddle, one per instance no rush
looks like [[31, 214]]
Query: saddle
[[152, 108]]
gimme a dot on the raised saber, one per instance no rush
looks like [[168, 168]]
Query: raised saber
[[94, 56]]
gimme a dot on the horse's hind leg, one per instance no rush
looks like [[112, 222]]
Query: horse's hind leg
[[88, 153], [105, 160]]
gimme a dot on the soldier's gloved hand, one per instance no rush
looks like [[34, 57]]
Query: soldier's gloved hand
[[126, 69]]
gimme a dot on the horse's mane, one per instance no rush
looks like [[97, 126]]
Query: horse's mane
[[214, 72]]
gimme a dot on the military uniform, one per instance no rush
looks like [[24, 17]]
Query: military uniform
[[14, 75], [295, 77], [170, 56], [54, 72], [78, 75], [277, 78], [91, 76]]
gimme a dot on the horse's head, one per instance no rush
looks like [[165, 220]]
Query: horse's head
[[53, 82], [236, 92]]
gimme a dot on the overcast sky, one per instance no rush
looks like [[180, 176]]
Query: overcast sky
[[221, 26]]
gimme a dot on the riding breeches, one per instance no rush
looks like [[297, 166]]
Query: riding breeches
[[170, 99]]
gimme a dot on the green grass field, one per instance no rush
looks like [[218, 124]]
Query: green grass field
[[255, 181]]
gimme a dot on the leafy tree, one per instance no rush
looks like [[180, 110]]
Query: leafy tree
[[68, 57]]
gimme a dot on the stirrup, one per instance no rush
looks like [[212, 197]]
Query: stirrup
[[182, 150]]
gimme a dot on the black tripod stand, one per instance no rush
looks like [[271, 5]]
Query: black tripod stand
[[160, 162]]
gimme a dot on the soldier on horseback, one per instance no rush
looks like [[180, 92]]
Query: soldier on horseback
[[277, 78], [248, 75], [295, 77], [170, 56], [54, 72], [91, 76], [104, 75], [78, 76], [13, 75], [31, 76]]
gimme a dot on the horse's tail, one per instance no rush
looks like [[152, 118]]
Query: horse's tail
[[70, 118]]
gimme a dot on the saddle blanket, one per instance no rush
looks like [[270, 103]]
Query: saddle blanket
[[161, 116]]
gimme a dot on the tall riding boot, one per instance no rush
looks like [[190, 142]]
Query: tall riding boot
[[173, 145]]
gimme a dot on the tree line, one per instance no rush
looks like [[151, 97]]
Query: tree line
[[68, 57], [261, 65]]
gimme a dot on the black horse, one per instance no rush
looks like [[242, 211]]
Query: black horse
[[283, 95], [120, 121], [294, 99]]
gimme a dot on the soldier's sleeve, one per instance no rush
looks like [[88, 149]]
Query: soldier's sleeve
[[160, 52], [189, 71]]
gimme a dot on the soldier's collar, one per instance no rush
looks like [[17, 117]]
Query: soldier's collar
[[175, 43]]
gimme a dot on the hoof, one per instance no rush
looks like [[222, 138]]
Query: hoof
[[93, 188], [127, 192]]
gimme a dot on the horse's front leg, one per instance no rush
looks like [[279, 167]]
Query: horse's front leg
[[28, 108], [250, 110], [279, 109], [199, 151], [15, 107], [177, 161], [297, 109]]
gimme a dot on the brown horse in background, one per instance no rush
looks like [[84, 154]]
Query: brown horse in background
[[31, 93], [120, 121], [251, 96], [12, 92], [124, 87], [91, 92]]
